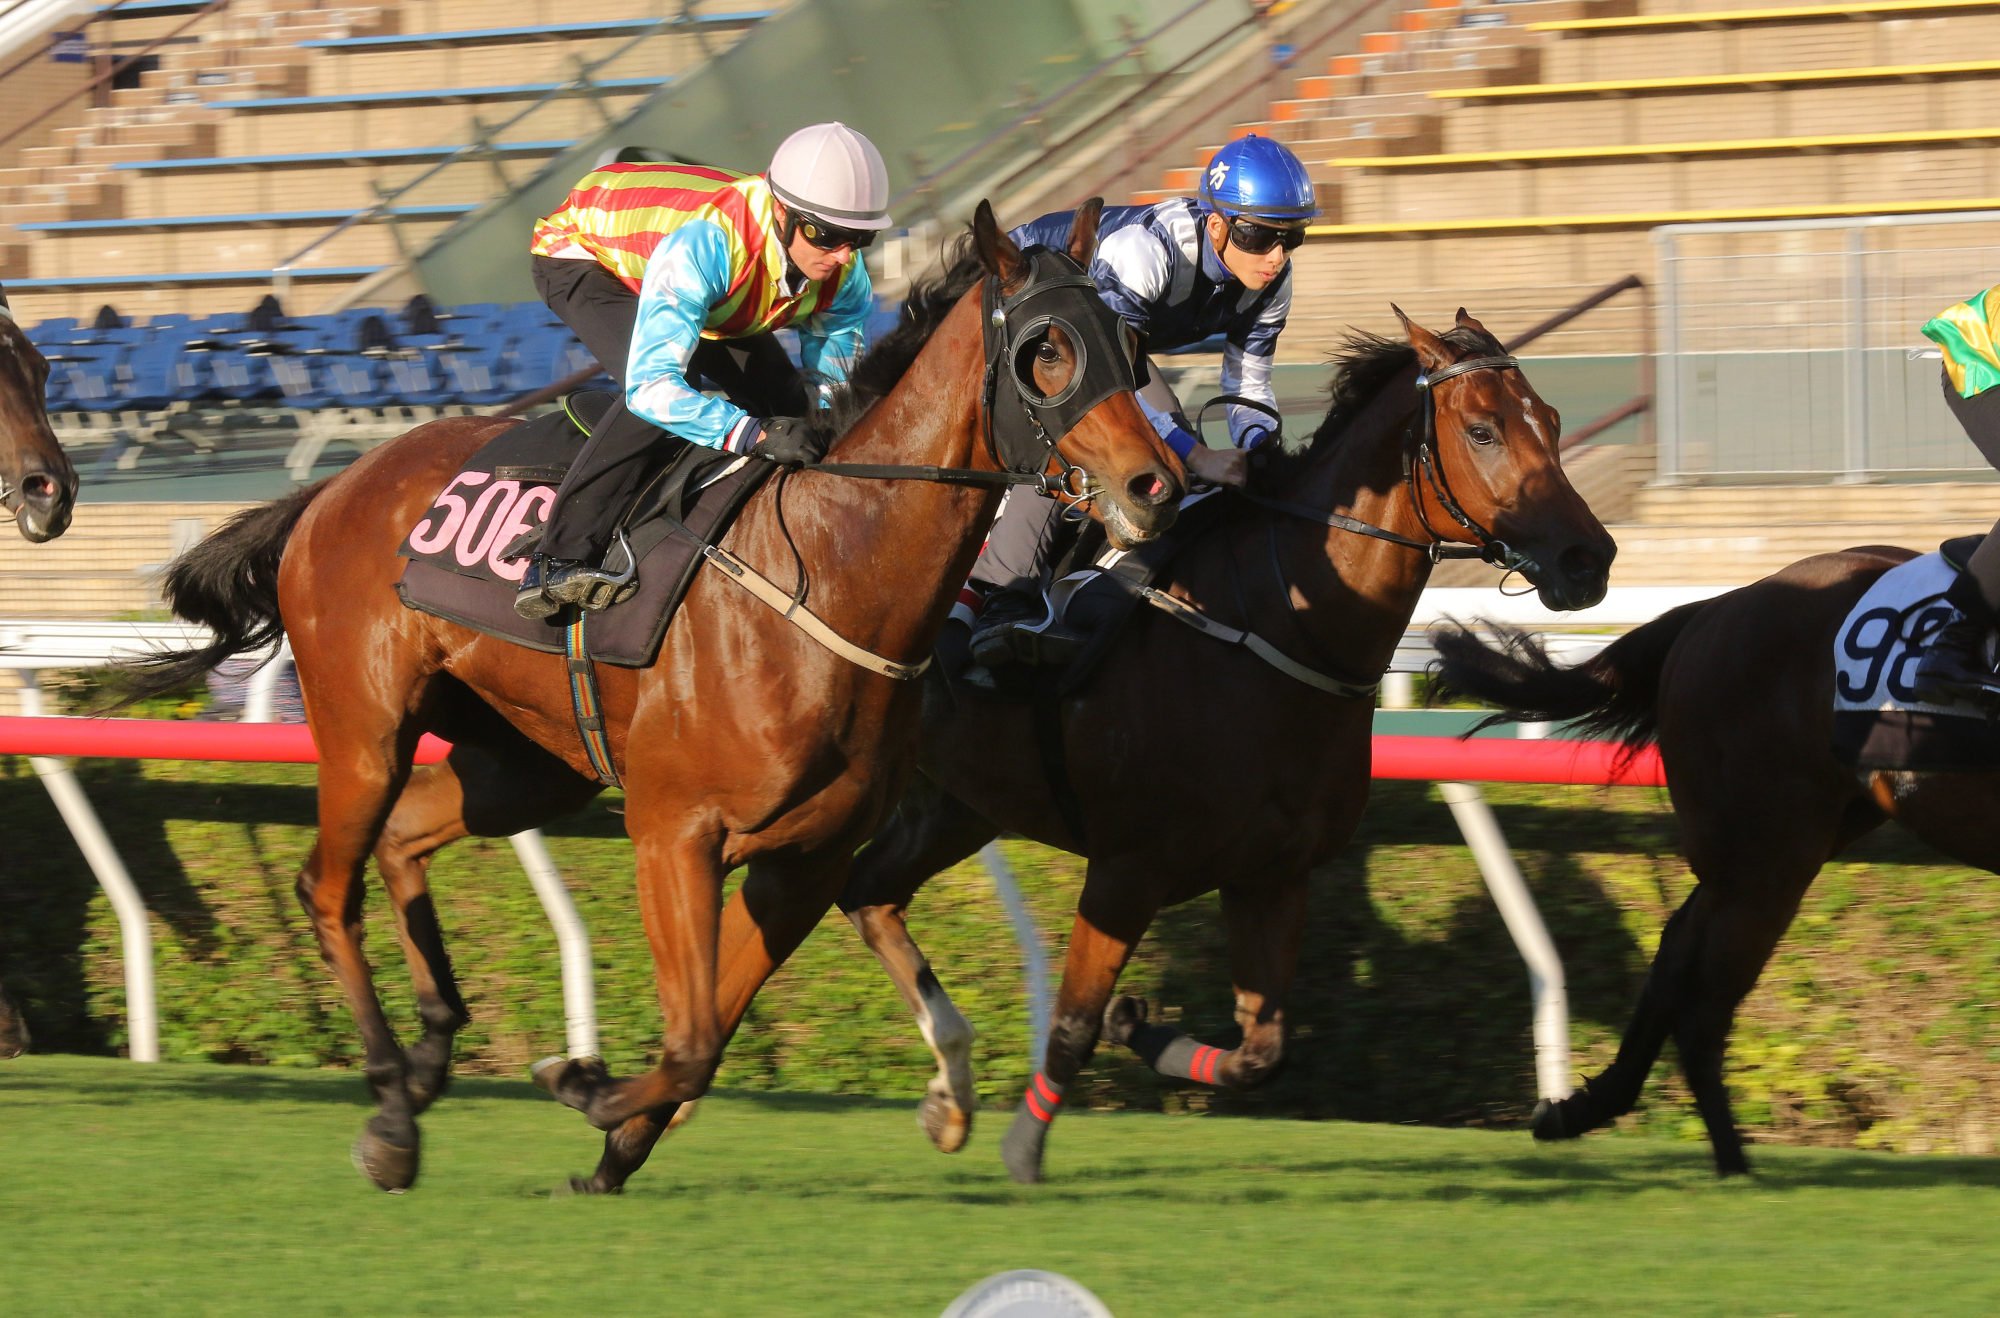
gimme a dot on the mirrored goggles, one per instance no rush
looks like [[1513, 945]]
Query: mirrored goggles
[[1257, 239], [831, 237]]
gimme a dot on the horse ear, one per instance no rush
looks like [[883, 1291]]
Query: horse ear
[[1083, 231], [1431, 351], [1471, 323], [997, 252]]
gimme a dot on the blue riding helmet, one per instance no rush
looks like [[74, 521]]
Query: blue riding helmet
[[1260, 179]]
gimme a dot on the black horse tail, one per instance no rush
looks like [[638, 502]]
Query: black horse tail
[[1613, 695], [229, 584]]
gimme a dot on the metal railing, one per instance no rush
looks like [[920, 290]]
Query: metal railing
[[1641, 404], [1786, 348]]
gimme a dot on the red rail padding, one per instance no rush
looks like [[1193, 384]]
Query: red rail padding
[[172, 739], [1500, 760], [1431, 759]]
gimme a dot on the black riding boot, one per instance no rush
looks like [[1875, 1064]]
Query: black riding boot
[[1955, 666], [1015, 628]]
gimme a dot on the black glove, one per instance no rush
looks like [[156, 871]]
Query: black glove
[[789, 440]]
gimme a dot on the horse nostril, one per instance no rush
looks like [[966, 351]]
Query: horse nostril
[[1582, 563], [1148, 488], [40, 486]]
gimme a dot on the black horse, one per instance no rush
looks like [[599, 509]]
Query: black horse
[[1738, 693], [38, 486]]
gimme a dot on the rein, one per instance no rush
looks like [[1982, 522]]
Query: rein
[[1422, 455], [1017, 437]]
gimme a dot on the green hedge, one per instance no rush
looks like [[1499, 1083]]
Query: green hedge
[[1876, 1024]]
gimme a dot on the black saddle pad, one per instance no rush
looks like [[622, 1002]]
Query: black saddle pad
[[459, 567]]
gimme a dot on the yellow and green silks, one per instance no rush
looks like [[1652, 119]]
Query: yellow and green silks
[[1966, 333]]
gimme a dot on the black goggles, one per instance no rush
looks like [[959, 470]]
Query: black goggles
[[831, 237], [1257, 239]]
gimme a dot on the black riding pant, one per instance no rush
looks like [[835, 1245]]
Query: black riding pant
[[754, 373], [1977, 591]]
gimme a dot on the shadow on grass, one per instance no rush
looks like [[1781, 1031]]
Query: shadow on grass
[[98, 1081]]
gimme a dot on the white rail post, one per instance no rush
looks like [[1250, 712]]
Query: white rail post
[[1531, 936], [572, 943], [1035, 966], [135, 935]]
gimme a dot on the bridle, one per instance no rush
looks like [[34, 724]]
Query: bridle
[[1023, 429], [1420, 455]]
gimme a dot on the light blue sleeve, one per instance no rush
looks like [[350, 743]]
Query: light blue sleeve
[[830, 342], [688, 275]]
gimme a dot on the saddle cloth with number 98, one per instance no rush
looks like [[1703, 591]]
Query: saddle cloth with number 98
[[1878, 720]]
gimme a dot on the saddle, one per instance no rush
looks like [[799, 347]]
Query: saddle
[[466, 556], [1879, 721]]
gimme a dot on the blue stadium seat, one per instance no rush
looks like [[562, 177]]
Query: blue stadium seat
[[353, 380], [56, 329]]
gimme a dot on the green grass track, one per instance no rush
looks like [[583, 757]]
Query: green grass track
[[201, 1189]]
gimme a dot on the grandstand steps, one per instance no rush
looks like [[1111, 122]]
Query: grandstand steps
[[54, 202], [106, 565], [1650, 555], [1862, 175]]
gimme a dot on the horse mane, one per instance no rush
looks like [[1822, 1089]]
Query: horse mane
[[1364, 364], [930, 300]]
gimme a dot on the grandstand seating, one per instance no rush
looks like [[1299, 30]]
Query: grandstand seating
[[355, 377], [1513, 156], [270, 122]]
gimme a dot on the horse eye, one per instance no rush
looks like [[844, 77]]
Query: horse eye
[[1046, 352], [1480, 434]]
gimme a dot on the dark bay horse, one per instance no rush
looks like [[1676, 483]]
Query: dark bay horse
[[1256, 777], [37, 483], [38, 486], [746, 743], [1738, 693]]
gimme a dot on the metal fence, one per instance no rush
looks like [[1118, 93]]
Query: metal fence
[[1791, 349]]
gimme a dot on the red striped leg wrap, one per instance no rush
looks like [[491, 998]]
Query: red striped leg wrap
[[1042, 1098]]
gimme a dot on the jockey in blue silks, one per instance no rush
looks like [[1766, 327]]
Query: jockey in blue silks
[[1179, 272]]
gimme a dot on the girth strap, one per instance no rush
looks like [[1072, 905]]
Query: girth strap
[[584, 701], [1187, 615], [796, 613]]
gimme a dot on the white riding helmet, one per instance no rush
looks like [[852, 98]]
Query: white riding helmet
[[831, 171]]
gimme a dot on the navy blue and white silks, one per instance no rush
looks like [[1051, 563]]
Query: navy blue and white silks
[[1157, 269]]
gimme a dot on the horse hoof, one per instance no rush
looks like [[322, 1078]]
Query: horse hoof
[[391, 1167], [1547, 1122], [682, 1114], [946, 1124], [1123, 1019], [570, 1079], [581, 1185], [1024, 1165], [1021, 1148]]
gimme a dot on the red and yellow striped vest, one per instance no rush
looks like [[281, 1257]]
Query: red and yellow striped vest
[[621, 213]]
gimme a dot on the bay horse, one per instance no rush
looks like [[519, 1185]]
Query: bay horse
[[38, 486], [1738, 693], [1259, 776], [746, 743]]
